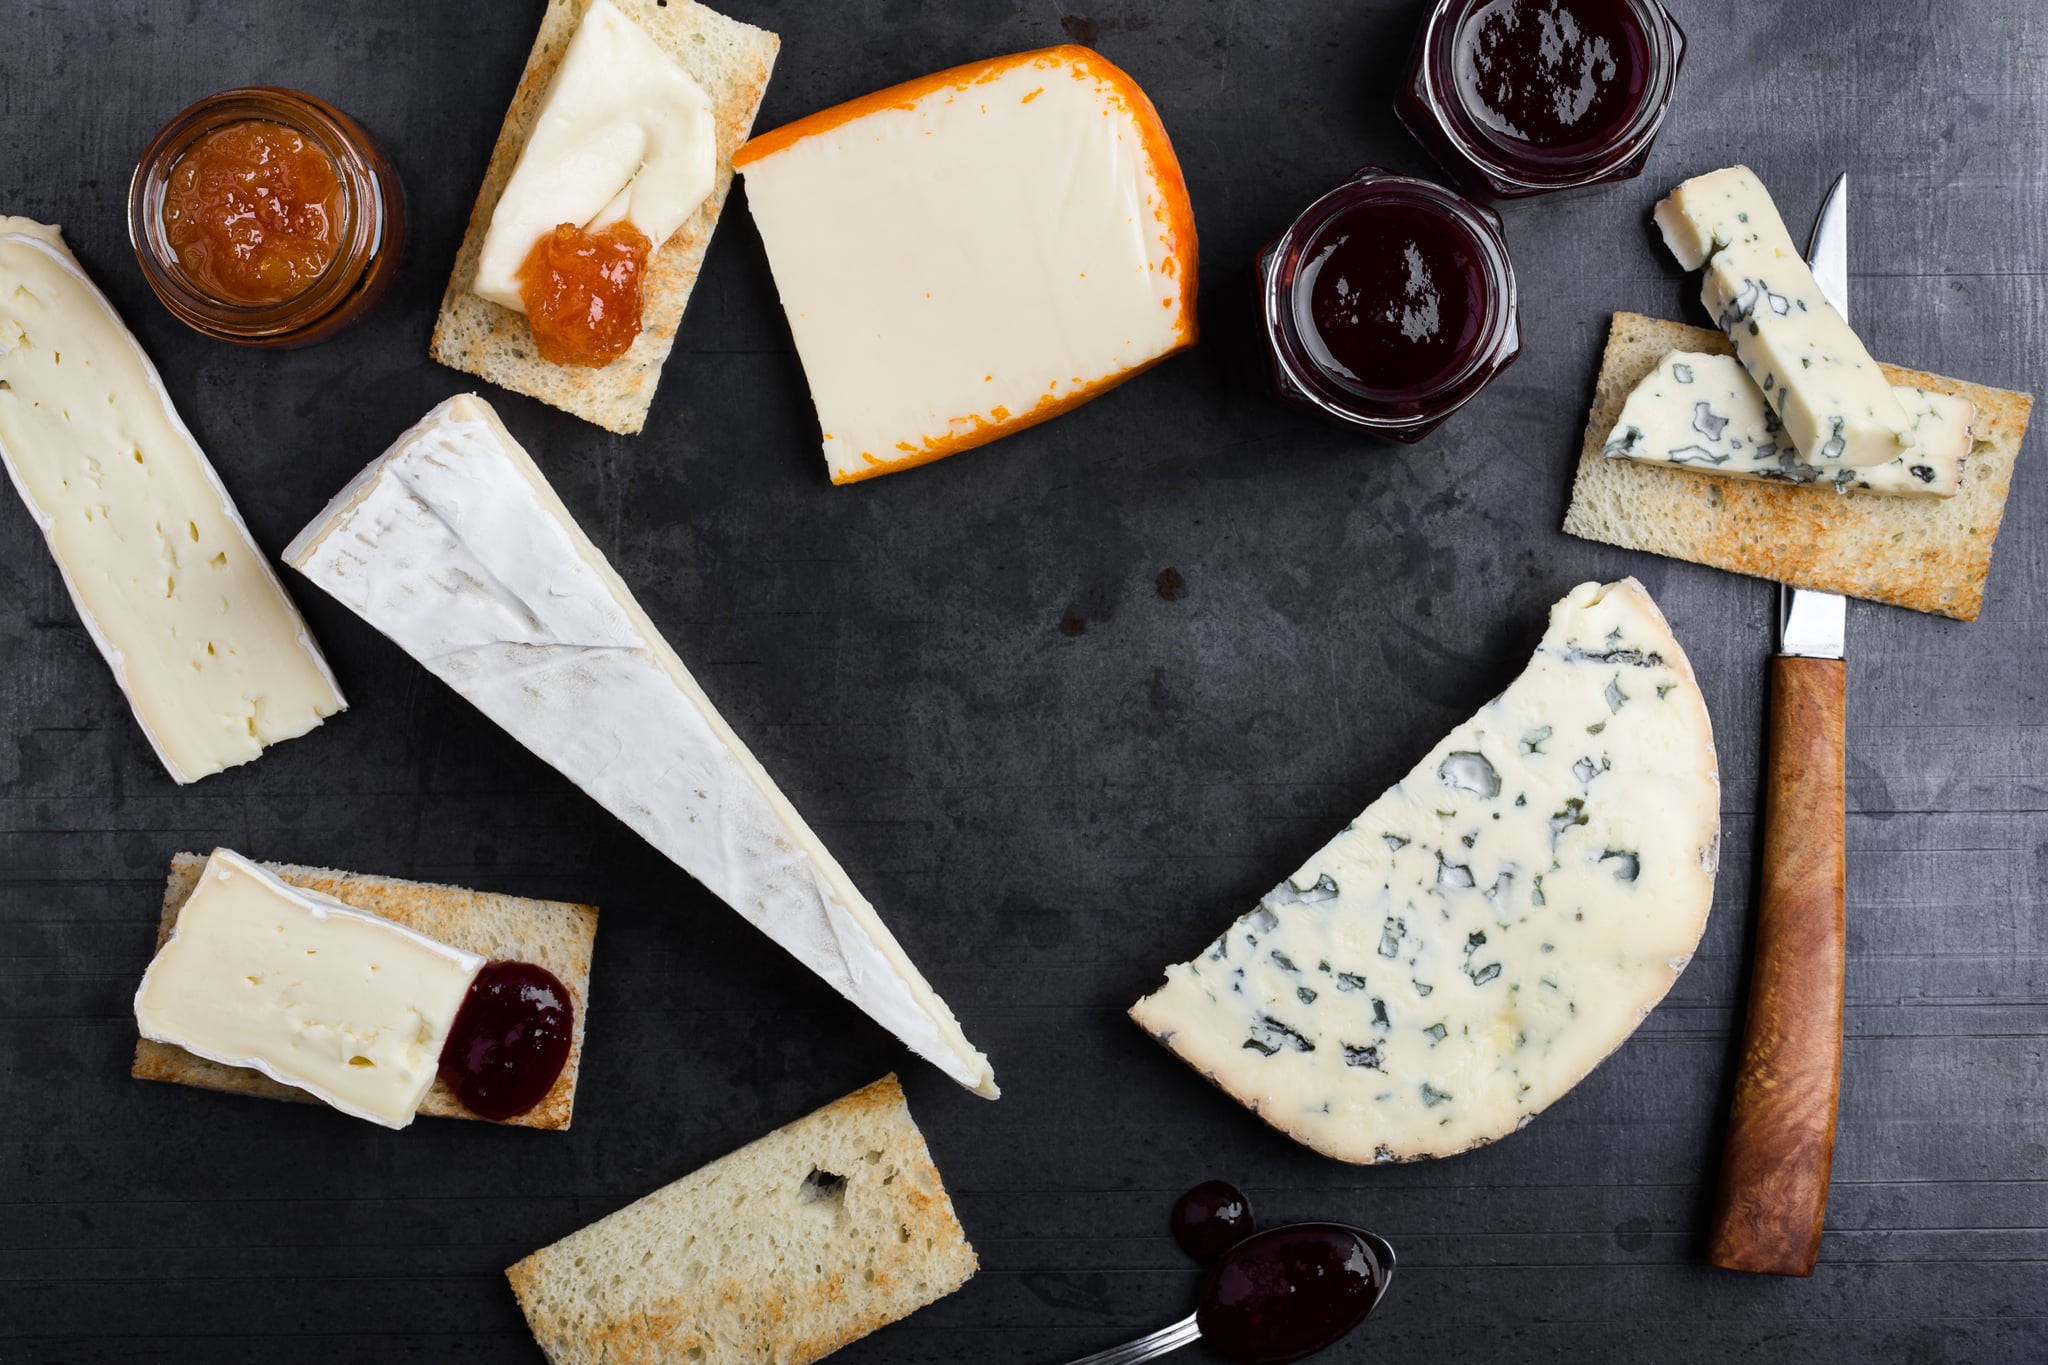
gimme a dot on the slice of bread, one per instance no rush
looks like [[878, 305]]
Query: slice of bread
[[784, 1251], [552, 934], [732, 61], [1930, 554]]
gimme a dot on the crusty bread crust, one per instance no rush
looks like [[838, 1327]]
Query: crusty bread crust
[[1929, 554], [749, 1260], [732, 61], [553, 934]]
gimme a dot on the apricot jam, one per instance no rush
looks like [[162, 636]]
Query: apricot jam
[[1389, 303], [253, 211], [266, 217], [582, 292], [1520, 97]]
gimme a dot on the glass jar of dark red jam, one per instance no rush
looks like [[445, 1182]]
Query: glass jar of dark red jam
[[1521, 97], [1389, 304], [309, 271]]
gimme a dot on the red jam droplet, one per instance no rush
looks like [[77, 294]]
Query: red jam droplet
[[1390, 299], [1552, 78], [510, 1040], [1210, 1219], [1288, 1293]]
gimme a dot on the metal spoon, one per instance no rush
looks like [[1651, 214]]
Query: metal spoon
[[1189, 1328]]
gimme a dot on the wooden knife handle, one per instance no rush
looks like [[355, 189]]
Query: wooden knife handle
[[1781, 1130]]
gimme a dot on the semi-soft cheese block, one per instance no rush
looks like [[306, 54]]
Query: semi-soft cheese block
[[623, 134], [1703, 412], [1469, 947], [454, 545], [313, 993], [974, 252], [188, 612], [1832, 397]]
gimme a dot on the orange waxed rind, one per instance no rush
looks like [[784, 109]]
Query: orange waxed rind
[[1179, 264]]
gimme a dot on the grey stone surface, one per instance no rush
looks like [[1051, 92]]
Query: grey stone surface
[[1050, 777]]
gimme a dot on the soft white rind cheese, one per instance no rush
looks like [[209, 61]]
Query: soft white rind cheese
[[342, 1004], [1489, 929], [624, 133], [453, 544], [1833, 399], [1705, 413], [968, 254], [213, 656]]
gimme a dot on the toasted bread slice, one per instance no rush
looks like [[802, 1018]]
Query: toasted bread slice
[[1929, 554], [732, 61], [552, 934], [785, 1251]]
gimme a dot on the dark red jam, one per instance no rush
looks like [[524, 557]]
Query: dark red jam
[[1290, 1292], [510, 1040], [1519, 97], [1551, 77], [1389, 303], [1210, 1219], [1390, 298]]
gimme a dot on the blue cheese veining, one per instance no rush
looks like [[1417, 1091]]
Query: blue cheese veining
[[1477, 940], [1833, 398], [1704, 413]]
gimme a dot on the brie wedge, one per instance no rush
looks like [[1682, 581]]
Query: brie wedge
[[454, 545], [213, 656], [624, 134], [968, 254], [332, 1000]]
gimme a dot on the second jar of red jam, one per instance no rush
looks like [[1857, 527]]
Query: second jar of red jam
[[1389, 304], [1522, 97]]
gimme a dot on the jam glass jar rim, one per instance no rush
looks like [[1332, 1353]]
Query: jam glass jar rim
[[1440, 97], [1372, 184], [362, 226]]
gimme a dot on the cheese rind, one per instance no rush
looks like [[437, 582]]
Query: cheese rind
[[623, 134], [1705, 413], [453, 544], [1814, 370], [215, 660], [1476, 941], [974, 252], [332, 1000]]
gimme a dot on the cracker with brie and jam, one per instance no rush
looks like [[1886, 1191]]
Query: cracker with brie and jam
[[599, 202]]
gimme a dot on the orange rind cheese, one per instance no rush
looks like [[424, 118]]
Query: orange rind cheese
[[968, 254]]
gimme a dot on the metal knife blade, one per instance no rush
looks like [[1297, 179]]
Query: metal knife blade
[[1812, 624]]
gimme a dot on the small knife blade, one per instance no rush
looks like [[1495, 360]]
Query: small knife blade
[[1813, 624]]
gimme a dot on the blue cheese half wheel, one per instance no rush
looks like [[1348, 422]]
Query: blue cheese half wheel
[[1490, 929]]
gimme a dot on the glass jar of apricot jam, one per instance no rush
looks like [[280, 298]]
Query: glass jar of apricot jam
[[1522, 97], [266, 217], [1389, 304]]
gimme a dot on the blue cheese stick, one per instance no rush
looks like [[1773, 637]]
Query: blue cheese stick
[[1832, 398], [1704, 413]]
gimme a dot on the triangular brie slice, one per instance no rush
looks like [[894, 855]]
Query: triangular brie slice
[[1470, 947], [453, 544]]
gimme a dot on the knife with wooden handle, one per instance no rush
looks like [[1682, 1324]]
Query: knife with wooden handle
[[1780, 1150]]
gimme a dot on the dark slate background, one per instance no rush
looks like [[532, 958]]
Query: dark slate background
[[1051, 776]]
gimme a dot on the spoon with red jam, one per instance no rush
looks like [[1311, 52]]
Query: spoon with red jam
[[1274, 1296]]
